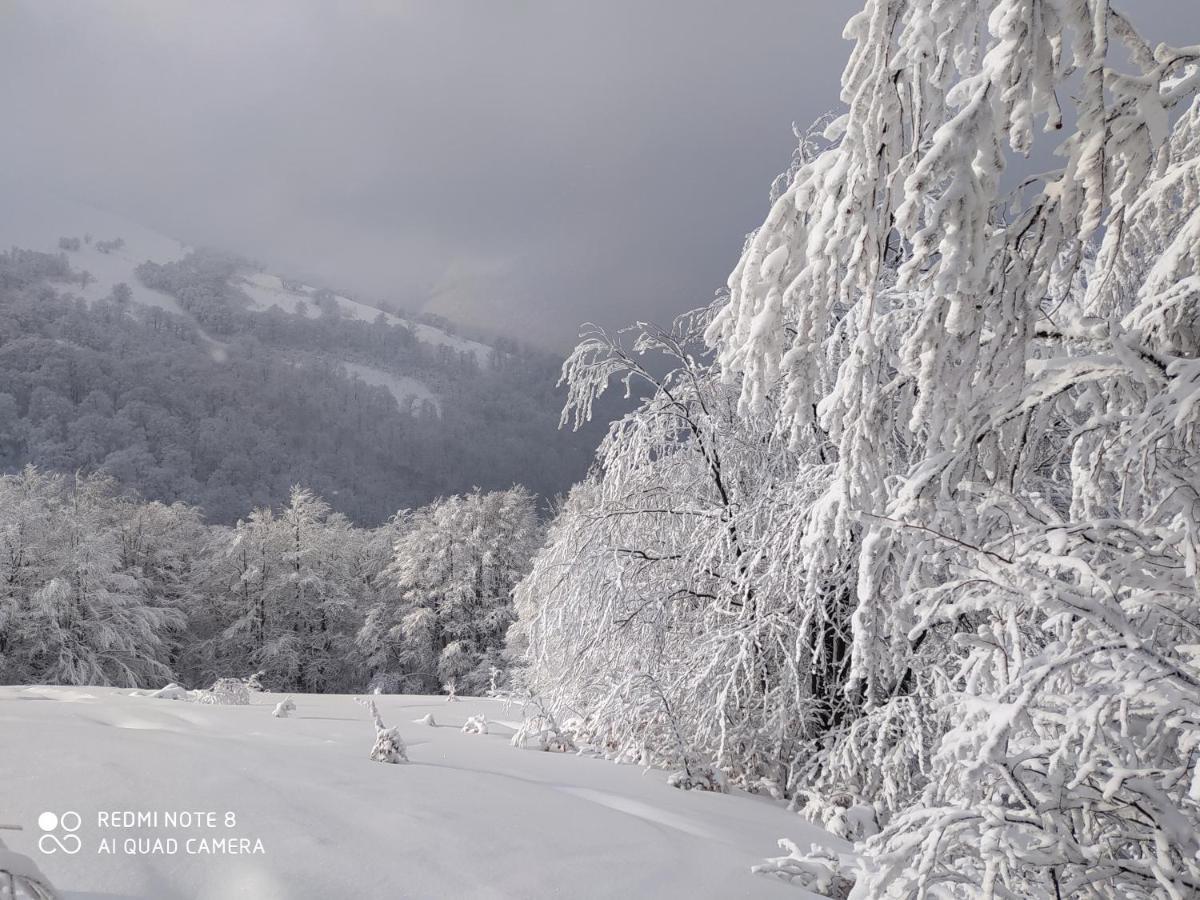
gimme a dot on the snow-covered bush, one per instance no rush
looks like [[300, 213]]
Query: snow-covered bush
[[225, 692], [841, 814], [389, 746], [540, 728], [697, 775], [820, 870], [284, 708], [426, 719], [475, 725], [540, 733]]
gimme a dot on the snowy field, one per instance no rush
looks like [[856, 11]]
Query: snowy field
[[468, 816]]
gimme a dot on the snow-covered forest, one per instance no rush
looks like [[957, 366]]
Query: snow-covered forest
[[909, 532], [101, 589], [189, 381]]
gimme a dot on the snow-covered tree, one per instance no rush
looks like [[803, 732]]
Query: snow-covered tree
[[1013, 434], [669, 606], [987, 384], [389, 746], [71, 610], [445, 604], [289, 580]]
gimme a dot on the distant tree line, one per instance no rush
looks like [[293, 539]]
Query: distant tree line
[[97, 587]]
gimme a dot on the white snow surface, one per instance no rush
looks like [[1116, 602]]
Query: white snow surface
[[404, 388], [468, 816]]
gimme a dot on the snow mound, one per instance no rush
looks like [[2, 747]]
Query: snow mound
[[172, 692]]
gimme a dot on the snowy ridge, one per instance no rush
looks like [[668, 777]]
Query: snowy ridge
[[36, 221], [266, 290]]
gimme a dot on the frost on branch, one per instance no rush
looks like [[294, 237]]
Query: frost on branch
[[389, 747]]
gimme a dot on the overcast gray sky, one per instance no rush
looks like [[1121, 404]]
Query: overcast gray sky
[[520, 165]]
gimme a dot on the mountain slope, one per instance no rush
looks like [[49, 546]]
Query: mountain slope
[[211, 381]]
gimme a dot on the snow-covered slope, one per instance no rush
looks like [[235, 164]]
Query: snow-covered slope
[[266, 290], [469, 816], [36, 220], [404, 388]]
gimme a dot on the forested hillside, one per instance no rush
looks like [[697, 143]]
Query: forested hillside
[[203, 380]]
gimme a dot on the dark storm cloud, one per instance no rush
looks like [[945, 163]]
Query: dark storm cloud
[[520, 165]]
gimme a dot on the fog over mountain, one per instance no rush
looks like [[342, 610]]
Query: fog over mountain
[[518, 167], [195, 375]]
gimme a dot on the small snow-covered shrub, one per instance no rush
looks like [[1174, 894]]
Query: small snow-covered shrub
[[426, 719], [842, 815], [254, 682], [767, 786], [699, 776], [476, 725], [284, 708], [542, 730], [389, 747], [541, 733], [819, 870], [225, 692], [451, 689]]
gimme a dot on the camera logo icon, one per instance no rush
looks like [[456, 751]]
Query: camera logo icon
[[60, 833]]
